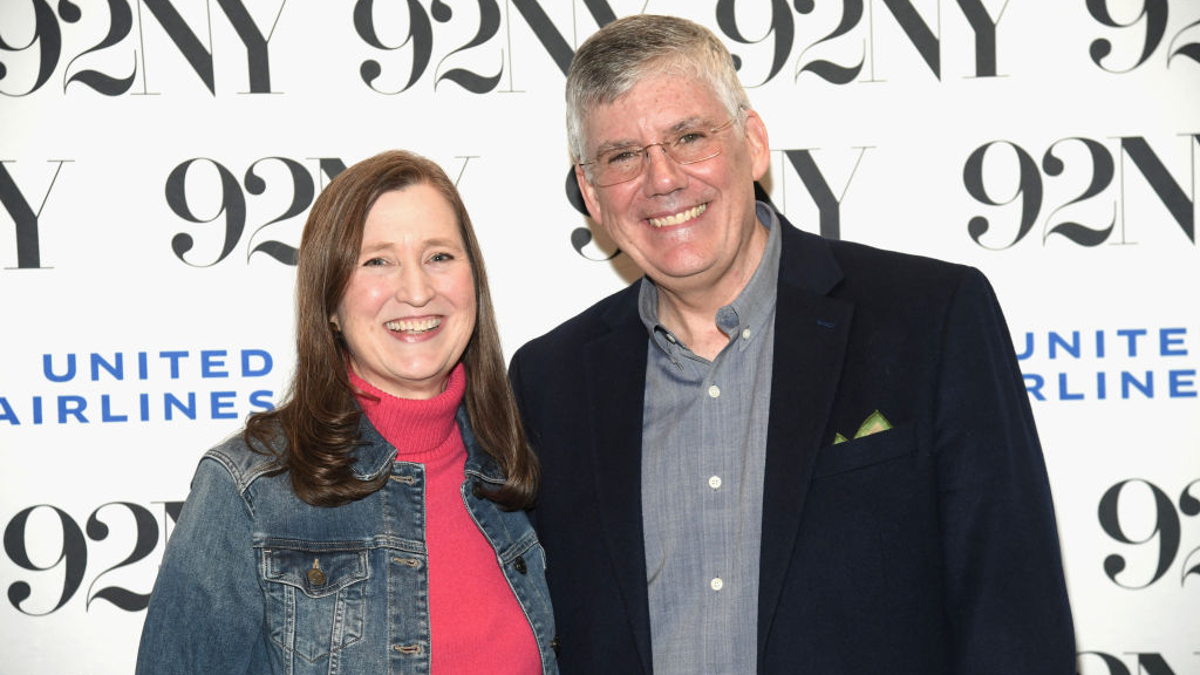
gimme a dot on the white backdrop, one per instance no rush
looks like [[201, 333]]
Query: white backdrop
[[158, 158]]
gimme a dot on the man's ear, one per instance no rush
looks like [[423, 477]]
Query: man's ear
[[757, 144], [590, 200]]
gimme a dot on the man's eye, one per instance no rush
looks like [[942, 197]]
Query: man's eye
[[690, 138], [620, 157]]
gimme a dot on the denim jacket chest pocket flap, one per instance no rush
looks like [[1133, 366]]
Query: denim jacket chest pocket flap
[[315, 597], [867, 451], [317, 573]]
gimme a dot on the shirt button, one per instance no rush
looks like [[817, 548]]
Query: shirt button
[[716, 584], [745, 333], [671, 338], [714, 391], [714, 482]]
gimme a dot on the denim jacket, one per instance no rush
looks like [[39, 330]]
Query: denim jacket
[[255, 581]]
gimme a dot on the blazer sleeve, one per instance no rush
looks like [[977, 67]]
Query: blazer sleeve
[[1006, 597], [206, 610]]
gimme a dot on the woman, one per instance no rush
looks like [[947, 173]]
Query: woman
[[372, 523]]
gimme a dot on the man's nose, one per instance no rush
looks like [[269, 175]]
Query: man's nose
[[661, 173]]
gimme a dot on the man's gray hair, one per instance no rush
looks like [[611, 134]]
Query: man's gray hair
[[618, 56]]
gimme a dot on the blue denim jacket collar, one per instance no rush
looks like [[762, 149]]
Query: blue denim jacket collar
[[375, 454]]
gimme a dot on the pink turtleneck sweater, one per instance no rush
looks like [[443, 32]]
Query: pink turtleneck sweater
[[476, 623]]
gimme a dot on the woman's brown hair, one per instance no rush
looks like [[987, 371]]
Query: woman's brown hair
[[319, 418]]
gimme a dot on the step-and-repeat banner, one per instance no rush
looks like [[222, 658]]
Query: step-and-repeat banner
[[158, 159]]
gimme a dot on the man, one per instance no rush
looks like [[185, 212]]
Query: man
[[773, 453]]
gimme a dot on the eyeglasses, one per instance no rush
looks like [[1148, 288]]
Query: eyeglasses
[[621, 165]]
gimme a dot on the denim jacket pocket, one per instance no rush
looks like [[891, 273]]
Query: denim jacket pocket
[[315, 596]]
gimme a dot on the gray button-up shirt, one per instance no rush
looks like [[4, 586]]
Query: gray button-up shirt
[[704, 440]]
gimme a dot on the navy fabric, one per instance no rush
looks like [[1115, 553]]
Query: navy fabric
[[928, 548]]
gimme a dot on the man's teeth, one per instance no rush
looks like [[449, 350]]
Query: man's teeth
[[413, 325], [681, 217]]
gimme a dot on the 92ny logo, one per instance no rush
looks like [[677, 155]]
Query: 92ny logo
[[1093, 167], [70, 568], [187, 183], [1162, 520], [229, 216], [805, 28], [26, 68], [204, 192], [856, 25], [814, 36], [1147, 27], [39, 39], [28, 64]]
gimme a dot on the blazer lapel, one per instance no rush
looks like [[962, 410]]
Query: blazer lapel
[[811, 332], [615, 367]]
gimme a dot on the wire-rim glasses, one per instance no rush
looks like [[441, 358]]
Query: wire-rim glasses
[[623, 164]]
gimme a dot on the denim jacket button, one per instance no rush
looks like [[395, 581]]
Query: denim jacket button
[[316, 577], [519, 564]]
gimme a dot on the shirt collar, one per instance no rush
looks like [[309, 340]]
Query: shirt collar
[[749, 311]]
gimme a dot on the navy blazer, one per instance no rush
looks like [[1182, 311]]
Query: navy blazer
[[928, 548]]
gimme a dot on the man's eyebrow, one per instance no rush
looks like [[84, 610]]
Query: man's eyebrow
[[689, 123], [682, 125], [615, 145]]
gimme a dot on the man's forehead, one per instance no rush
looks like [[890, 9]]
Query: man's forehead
[[699, 106], [633, 131]]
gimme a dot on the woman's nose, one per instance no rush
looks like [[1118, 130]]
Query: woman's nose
[[414, 287]]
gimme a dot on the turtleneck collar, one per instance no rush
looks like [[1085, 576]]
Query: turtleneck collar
[[416, 427]]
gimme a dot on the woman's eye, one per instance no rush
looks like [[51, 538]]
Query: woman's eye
[[441, 257], [374, 262]]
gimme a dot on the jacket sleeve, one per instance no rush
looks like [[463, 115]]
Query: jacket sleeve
[[206, 610], [514, 380], [1006, 597]]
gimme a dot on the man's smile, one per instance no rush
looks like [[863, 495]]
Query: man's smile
[[678, 218]]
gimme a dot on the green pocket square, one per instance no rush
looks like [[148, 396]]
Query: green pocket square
[[874, 423]]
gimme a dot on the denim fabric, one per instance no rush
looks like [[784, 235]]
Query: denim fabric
[[254, 580]]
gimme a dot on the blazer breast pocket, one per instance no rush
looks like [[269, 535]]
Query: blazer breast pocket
[[860, 453]]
